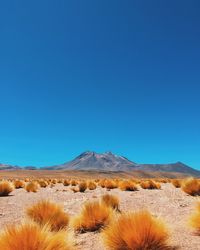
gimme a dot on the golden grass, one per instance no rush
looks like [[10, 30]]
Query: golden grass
[[93, 216], [46, 212], [66, 182], [101, 183], [31, 236], [191, 186], [32, 187], [92, 185], [6, 187], [54, 181], [136, 231], [82, 186], [128, 186], [19, 184], [176, 183], [111, 201], [150, 184], [110, 184], [195, 219], [74, 182], [43, 183]]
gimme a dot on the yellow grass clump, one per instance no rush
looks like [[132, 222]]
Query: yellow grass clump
[[127, 186], [92, 185], [66, 182], [82, 186], [93, 216], [6, 187], [191, 186], [46, 212], [110, 184], [32, 187], [111, 201], [101, 183], [136, 231], [43, 183], [54, 181], [31, 236], [150, 185], [19, 184], [176, 183], [195, 219], [60, 181], [74, 182]]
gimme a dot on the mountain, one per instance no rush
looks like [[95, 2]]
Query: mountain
[[101, 162], [8, 167], [177, 167], [111, 162]]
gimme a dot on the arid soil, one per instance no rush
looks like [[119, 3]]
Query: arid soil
[[169, 203]]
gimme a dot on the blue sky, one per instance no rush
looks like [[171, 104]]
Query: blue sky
[[120, 76]]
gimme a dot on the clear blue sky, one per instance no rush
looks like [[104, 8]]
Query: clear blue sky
[[120, 76]]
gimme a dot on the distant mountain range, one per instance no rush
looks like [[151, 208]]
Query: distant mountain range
[[110, 162]]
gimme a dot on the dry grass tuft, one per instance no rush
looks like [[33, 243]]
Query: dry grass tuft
[[6, 187], [43, 183], [82, 187], [92, 185], [191, 186], [19, 184], [32, 187], [111, 201], [176, 183], [54, 181], [128, 186], [93, 216], [136, 231], [150, 185], [195, 219], [46, 212], [110, 184], [66, 182], [74, 182], [31, 236]]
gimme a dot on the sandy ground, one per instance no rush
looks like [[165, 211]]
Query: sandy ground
[[169, 203]]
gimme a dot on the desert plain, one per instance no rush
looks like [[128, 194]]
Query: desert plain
[[168, 203]]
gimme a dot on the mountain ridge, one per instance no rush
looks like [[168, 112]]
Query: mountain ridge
[[92, 161]]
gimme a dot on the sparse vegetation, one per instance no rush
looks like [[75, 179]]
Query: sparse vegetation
[[150, 184], [176, 183], [19, 184], [128, 186], [92, 185], [191, 186], [93, 216], [124, 230], [6, 188], [82, 187], [31, 236], [45, 212], [111, 201], [195, 219], [136, 231], [66, 182], [110, 184], [32, 187], [74, 182], [43, 183]]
